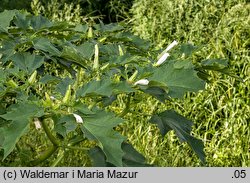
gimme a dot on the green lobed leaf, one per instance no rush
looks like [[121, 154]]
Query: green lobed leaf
[[62, 86], [72, 54], [64, 124], [100, 127], [20, 115], [22, 21], [109, 49], [104, 87], [178, 78], [220, 63], [108, 100], [48, 79], [81, 28], [45, 45], [188, 49], [101, 87], [98, 158], [125, 59], [7, 49], [27, 62], [170, 120], [157, 92], [83, 108], [40, 22], [87, 49], [135, 40], [5, 18], [131, 158]]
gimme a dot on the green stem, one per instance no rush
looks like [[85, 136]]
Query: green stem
[[44, 156], [58, 159], [127, 107], [49, 134], [78, 148]]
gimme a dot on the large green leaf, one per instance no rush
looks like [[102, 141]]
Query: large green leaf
[[179, 77], [131, 158], [27, 62], [22, 21], [157, 92], [45, 45], [219, 63], [72, 54], [109, 49], [7, 49], [5, 18], [64, 124], [48, 79], [188, 49], [81, 28], [104, 87], [99, 127], [87, 49], [40, 22], [20, 116], [62, 86], [135, 40], [170, 120]]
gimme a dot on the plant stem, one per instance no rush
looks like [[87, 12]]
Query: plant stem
[[78, 148], [44, 156], [49, 134], [51, 149], [59, 158], [127, 107], [61, 153]]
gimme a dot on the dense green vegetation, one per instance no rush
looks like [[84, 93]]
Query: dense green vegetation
[[221, 113], [219, 29]]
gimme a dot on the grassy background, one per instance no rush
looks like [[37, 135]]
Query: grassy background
[[221, 113]]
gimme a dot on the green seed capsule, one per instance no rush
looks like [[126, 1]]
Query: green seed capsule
[[12, 84], [102, 39], [67, 96], [32, 78], [90, 32], [120, 50], [132, 78], [96, 59]]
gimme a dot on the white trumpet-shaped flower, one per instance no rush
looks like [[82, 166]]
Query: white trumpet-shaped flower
[[142, 82], [164, 55], [52, 98], [78, 118], [174, 43], [37, 123], [162, 59]]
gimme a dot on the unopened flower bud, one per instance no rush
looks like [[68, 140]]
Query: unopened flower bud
[[78, 118], [162, 59], [142, 82], [174, 43]]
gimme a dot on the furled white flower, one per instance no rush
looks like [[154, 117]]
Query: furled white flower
[[142, 82], [174, 43], [37, 123], [52, 98], [162, 59], [78, 118]]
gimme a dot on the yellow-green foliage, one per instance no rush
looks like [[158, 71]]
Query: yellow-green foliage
[[56, 10], [221, 113]]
